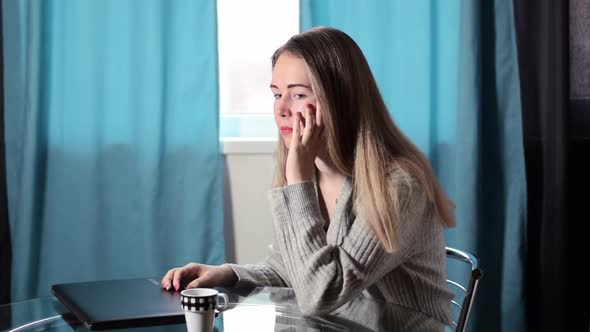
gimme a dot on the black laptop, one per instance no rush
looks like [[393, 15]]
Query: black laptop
[[114, 304]]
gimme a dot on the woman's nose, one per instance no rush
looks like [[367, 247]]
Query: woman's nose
[[283, 108]]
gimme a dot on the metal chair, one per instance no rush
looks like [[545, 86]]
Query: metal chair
[[468, 292]]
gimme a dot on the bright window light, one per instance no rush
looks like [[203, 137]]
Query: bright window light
[[248, 34]]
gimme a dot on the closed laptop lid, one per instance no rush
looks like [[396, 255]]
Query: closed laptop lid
[[120, 303]]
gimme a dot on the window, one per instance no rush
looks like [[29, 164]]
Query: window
[[248, 33]]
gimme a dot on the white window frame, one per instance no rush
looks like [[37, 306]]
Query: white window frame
[[250, 133]]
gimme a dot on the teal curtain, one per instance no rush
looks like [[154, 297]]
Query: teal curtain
[[448, 72], [112, 144]]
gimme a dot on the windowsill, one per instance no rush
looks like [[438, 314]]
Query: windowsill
[[247, 145], [247, 134]]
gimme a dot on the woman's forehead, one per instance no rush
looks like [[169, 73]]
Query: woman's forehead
[[289, 69]]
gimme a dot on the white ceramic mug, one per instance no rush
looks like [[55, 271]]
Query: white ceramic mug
[[199, 306]]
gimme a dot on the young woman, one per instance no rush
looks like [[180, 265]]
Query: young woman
[[356, 207]]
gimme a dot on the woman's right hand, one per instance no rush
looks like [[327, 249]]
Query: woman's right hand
[[305, 146], [195, 275]]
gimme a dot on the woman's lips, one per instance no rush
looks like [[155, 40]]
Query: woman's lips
[[286, 130]]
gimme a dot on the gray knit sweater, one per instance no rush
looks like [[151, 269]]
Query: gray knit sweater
[[328, 268]]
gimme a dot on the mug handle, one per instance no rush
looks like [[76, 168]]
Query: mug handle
[[224, 305]]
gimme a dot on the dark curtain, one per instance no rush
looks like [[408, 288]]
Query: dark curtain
[[556, 166], [578, 195], [5, 244]]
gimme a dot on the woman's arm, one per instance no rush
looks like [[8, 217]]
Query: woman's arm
[[323, 274], [269, 272]]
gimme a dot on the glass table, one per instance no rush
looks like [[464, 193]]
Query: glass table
[[260, 309]]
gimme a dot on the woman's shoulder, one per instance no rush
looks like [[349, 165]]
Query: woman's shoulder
[[402, 175], [397, 171], [407, 185]]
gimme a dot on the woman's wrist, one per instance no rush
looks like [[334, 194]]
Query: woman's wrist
[[298, 178], [232, 277], [291, 182]]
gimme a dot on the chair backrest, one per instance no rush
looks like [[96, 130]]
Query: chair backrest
[[464, 306]]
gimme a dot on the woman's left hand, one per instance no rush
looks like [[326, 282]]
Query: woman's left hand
[[305, 145]]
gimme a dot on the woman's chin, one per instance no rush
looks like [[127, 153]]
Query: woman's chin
[[287, 139]]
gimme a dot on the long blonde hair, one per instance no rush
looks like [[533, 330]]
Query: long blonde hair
[[362, 139]]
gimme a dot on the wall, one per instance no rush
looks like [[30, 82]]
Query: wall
[[248, 177]]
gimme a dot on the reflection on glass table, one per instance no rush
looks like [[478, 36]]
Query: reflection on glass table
[[260, 309]]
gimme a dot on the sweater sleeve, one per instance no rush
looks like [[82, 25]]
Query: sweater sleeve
[[268, 273], [325, 275]]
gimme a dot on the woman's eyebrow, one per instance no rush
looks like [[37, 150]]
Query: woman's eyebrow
[[272, 86]]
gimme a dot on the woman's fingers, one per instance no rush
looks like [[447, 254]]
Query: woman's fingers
[[175, 277], [214, 276], [176, 280], [167, 280], [305, 125], [197, 283], [295, 135], [316, 124], [199, 275], [309, 123]]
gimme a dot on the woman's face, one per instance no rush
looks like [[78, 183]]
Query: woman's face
[[291, 88]]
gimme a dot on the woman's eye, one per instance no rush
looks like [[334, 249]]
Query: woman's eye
[[277, 96], [298, 96]]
